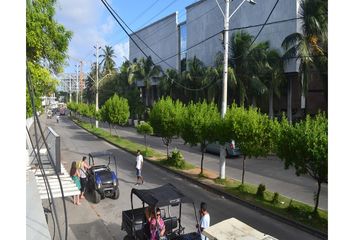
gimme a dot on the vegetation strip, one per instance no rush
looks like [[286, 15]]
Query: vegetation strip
[[295, 213]]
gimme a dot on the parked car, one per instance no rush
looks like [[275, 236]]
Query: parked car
[[231, 149]]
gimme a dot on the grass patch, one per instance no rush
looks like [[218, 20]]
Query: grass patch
[[170, 164], [121, 142], [286, 207]]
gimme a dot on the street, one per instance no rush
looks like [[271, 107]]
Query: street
[[269, 171], [103, 220]]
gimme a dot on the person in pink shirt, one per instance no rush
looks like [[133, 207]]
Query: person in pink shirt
[[157, 227]]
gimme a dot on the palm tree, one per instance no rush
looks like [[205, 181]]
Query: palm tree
[[247, 60], [274, 76], [90, 89], [107, 61], [167, 86], [144, 69], [311, 44], [195, 78], [215, 75]]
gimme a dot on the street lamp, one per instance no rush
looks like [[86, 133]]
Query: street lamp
[[226, 57]]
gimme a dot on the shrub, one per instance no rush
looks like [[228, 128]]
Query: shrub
[[176, 160], [275, 199], [260, 191]]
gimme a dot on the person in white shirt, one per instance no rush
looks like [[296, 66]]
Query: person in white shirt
[[204, 220], [139, 166]]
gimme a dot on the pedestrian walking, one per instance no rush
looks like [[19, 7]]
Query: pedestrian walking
[[204, 220], [57, 118], [84, 166], [139, 166], [75, 175]]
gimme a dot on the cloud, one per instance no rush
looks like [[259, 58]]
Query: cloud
[[108, 26], [121, 50]]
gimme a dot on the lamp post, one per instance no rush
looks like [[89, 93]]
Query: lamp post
[[224, 88]]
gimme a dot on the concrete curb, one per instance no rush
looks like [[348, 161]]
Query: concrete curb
[[227, 195]]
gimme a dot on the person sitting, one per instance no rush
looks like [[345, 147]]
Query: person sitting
[[157, 227]]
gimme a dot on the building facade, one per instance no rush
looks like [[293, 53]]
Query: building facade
[[204, 19]]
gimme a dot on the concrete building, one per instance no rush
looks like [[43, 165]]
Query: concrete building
[[160, 37], [204, 19]]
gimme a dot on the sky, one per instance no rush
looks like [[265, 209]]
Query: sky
[[91, 22]]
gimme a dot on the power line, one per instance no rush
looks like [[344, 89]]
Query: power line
[[137, 36], [237, 28], [143, 12], [160, 12], [110, 9], [259, 32]]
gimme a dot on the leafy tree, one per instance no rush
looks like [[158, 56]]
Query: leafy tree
[[251, 131], [166, 118], [310, 46], [274, 76], [145, 129], [46, 46], [145, 70], [195, 78], [199, 125], [90, 89], [115, 111], [305, 146], [107, 61], [246, 60]]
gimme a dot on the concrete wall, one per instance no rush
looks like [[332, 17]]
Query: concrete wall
[[162, 38], [204, 19]]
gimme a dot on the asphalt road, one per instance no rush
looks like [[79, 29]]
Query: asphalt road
[[103, 220], [269, 171]]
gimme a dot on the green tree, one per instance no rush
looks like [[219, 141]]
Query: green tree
[[194, 78], [305, 146], [145, 129], [115, 111], [90, 85], [107, 61], [310, 46], [251, 131], [46, 45], [166, 118], [274, 77], [199, 125], [246, 60], [145, 70]]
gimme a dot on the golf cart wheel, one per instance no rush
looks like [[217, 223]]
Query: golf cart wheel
[[116, 194], [96, 197]]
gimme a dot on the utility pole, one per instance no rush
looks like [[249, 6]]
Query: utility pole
[[81, 80], [70, 86], [97, 81], [77, 83], [222, 161]]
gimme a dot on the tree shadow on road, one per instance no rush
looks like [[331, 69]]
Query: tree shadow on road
[[98, 230]]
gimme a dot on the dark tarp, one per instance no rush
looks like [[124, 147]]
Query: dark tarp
[[100, 154], [161, 196]]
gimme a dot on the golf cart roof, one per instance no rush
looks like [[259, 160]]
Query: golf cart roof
[[233, 228], [161, 196], [101, 154]]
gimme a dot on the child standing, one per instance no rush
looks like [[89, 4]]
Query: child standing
[[74, 174]]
